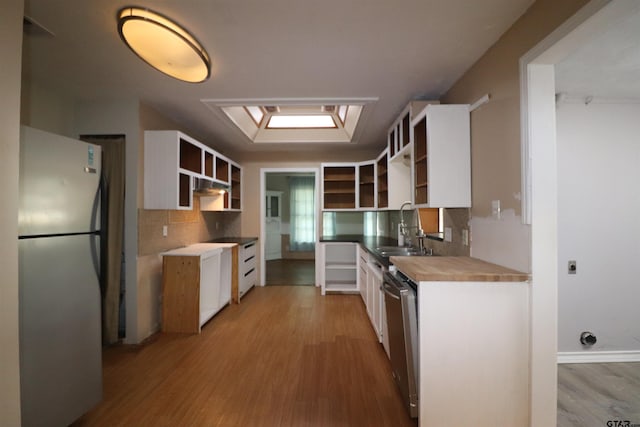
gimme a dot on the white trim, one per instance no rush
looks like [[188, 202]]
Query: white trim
[[544, 245], [479, 103], [586, 99], [263, 209], [550, 50], [220, 102], [598, 356]]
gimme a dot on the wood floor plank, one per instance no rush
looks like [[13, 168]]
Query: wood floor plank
[[591, 394], [286, 356]]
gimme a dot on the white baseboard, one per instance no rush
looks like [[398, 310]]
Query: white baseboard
[[598, 356]]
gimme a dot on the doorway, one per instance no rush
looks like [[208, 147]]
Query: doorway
[[545, 168], [289, 226]]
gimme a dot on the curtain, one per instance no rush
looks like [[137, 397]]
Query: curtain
[[302, 213], [113, 181]]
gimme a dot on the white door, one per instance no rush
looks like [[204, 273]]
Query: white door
[[273, 224]]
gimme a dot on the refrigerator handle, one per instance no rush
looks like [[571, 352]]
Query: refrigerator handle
[[96, 216], [95, 241]]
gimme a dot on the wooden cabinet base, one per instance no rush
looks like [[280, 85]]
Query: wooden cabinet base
[[181, 294], [235, 297]]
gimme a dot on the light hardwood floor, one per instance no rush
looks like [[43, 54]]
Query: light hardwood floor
[[292, 272], [591, 394], [285, 356]]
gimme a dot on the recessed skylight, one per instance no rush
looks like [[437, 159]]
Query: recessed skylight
[[256, 113], [342, 113], [295, 121]]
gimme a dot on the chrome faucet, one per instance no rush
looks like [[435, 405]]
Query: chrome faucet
[[420, 233], [402, 225]]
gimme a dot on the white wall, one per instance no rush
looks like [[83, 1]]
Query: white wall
[[47, 109], [599, 224], [504, 240], [10, 51]]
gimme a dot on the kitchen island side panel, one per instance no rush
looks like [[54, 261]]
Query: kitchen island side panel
[[474, 353], [181, 294]]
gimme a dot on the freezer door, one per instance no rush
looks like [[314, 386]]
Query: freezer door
[[60, 330], [59, 182]]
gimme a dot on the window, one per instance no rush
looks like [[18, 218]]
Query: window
[[302, 212], [328, 223], [256, 113], [431, 220], [300, 121]]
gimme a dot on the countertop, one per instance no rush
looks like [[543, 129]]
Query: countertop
[[455, 269], [199, 249], [237, 240], [370, 243]]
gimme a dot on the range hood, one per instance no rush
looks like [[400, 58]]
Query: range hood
[[208, 187]]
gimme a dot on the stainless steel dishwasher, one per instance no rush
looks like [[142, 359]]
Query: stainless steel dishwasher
[[402, 323]]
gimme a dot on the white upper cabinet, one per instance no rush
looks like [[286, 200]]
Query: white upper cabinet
[[441, 165], [339, 186], [172, 163]]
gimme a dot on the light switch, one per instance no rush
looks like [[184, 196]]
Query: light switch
[[465, 237], [165, 231]]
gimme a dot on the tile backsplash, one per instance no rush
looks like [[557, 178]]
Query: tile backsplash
[[183, 228]]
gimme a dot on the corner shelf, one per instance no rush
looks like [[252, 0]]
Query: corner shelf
[[339, 267]]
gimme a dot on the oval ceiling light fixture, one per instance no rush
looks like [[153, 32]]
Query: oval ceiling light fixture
[[163, 44]]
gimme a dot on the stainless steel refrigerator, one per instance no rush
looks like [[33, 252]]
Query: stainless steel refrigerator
[[59, 269]]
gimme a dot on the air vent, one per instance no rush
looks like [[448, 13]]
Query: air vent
[[329, 108], [33, 28], [271, 108]]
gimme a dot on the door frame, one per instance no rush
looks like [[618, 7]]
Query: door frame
[[263, 209], [540, 189]]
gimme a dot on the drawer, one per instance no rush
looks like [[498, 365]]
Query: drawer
[[246, 265], [248, 251], [248, 279]]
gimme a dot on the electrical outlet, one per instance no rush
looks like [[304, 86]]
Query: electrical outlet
[[573, 267], [495, 209], [465, 237], [165, 231], [447, 234]]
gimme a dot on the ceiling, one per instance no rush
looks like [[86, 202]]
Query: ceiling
[[392, 51], [607, 66]]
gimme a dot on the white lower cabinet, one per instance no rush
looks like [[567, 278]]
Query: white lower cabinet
[[196, 284], [363, 259], [247, 274], [375, 301], [339, 264], [211, 293]]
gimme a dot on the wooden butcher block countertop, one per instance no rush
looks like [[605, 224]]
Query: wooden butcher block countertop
[[455, 269]]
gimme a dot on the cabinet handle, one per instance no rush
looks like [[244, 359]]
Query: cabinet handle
[[249, 272], [249, 245], [250, 258]]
